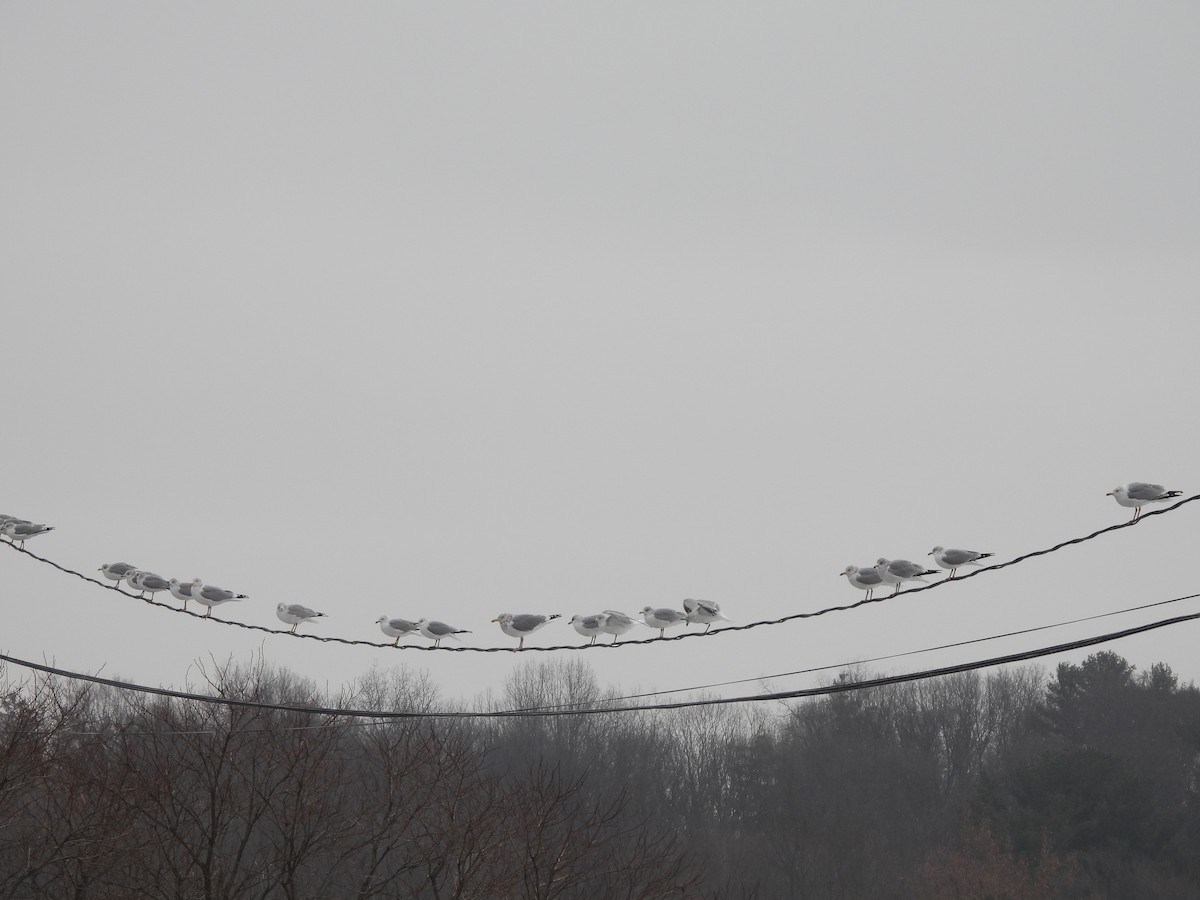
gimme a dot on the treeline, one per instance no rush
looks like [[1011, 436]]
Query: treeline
[[1009, 784]]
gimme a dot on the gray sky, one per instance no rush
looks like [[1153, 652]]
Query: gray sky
[[456, 309]]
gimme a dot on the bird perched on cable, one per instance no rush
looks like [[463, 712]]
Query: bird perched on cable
[[898, 571], [522, 625], [396, 628], [703, 612], [147, 582], [18, 531], [435, 630], [1139, 493], [617, 623], [952, 559], [662, 618], [182, 590], [865, 579], [294, 614], [589, 626], [117, 572], [211, 595]]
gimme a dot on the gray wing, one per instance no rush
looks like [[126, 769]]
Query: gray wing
[[591, 621], [669, 615], [869, 577], [296, 609], [959, 557], [402, 625], [1140, 490], [527, 622]]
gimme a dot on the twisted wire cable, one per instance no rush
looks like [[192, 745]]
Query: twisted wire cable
[[628, 643]]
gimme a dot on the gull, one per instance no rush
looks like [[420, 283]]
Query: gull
[[435, 630], [294, 614], [662, 618], [211, 595], [590, 626], [617, 623], [117, 571], [521, 625], [865, 579], [951, 559], [1135, 494], [182, 590], [147, 581], [703, 612], [395, 628], [898, 571], [19, 531], [4, 520]]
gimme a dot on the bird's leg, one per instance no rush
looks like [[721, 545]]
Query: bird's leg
[[897, 590], [952, 571], [294, 627], [396, 643], [706, 627], [208, 612]]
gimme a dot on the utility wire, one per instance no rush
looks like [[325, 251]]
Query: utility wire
[[610, 646], [875, 659], [702, 687], [838, 688]]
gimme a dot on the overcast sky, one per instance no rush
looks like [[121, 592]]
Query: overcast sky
[[453, 309]]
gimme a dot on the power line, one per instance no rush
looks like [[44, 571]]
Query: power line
[[838, 688], [609, 646], [885, 658]]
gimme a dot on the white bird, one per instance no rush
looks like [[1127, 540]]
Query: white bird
[[211, 595], [147, 581], [617, 623], [117, 571], [865, 579], [590, 626], [522, 624], [898, 571], [951, 559], [435, 630], [294, 614], [703, 612], [1139, 493], [182, 590], [663, 618], [395, 628], [19, 531]]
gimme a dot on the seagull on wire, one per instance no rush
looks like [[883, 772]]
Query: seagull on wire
[[590, 626], [211, 595], [435, 630], [117, 571], [147, 581], [703, 612], [898, 571], [951, 559], [522, 624], [19, 531], [663, 618], [1139, 493], [294, 614], [182, 590], [617, 623], [395, 628], [865, 579]]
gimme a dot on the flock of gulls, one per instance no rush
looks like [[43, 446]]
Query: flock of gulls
[[894, 572]]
